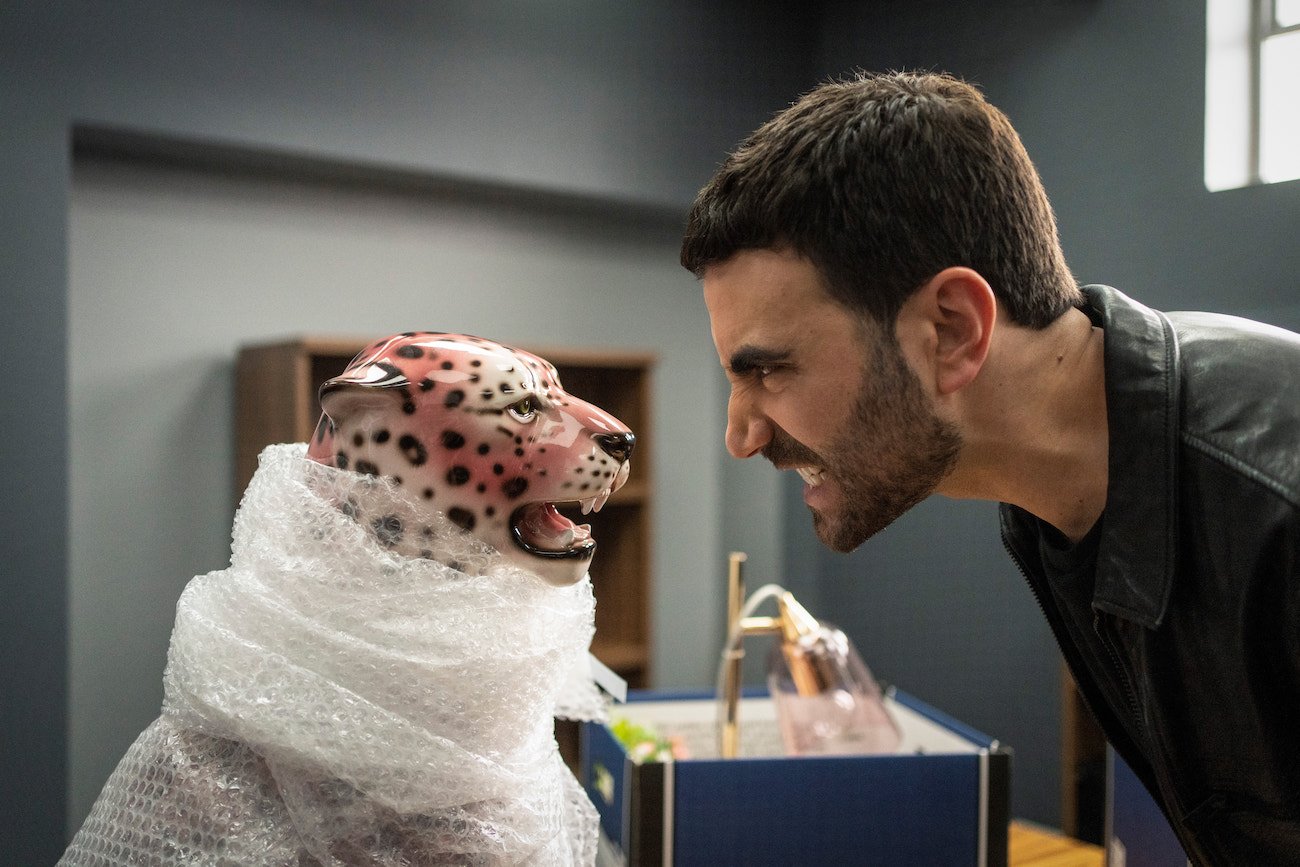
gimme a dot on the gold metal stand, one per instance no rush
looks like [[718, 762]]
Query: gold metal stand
[[737, 631]]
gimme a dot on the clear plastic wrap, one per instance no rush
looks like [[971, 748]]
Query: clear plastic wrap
[[331, 700]]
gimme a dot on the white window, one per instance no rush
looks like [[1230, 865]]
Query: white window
[[1252, 92]]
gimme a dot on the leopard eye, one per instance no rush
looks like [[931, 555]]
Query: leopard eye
[[523, 410]]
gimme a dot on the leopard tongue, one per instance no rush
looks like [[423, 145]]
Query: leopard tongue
[[544, 527]]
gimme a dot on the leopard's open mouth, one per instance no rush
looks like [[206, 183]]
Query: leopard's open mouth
[[542, 531]]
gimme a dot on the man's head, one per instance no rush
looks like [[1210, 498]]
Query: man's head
[[882, 181], [811, 239], [822, 390]]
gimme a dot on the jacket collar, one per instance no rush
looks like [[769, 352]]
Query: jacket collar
[[1136, 555]]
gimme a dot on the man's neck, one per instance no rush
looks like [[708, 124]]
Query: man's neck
[[1034, 425]]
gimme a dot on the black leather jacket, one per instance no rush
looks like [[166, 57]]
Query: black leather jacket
[[1192, 662]]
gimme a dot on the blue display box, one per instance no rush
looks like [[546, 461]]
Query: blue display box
[[942, 799]]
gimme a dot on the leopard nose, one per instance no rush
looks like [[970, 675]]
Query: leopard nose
[[617, 446]]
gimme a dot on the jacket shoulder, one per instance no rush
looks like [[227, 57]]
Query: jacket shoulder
[[1240, 396]]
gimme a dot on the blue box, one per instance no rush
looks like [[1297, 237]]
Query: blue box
[[943, 799]]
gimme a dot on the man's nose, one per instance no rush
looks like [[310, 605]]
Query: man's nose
[[747, 430]]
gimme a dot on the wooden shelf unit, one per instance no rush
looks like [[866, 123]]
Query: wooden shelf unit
[[276, 386]]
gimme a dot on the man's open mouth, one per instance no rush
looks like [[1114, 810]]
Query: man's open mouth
[[542, 531], [814, 476]]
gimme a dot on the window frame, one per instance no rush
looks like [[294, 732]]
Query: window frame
[[1237, 31], [1263, 26]]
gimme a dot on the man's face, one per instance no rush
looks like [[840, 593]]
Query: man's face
[[817, 389]]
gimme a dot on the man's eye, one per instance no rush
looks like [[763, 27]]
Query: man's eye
[[765, 370], [522, 409]]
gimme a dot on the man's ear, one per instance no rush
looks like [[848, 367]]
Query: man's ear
[[946, 327]]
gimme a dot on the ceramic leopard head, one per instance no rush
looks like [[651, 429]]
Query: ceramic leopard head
[[484, 434]]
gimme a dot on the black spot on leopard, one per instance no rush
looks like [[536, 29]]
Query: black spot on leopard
[[484, 448], [481, 488], [350, 508], [454, 398], [409, 407], [321, 426], [474, 377], [426, 384], [506, 388], [519, 453], [414, 450], [367, 468], [462, 518], [476, 363], [382, 435], [486, 394], [490, 511], [447, 365], [358, 439], [497, 469], [457, 475], [410, 352], [388, 530], [341, 460], [452, 440], [515, 487]]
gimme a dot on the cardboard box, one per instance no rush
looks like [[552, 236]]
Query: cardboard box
[[943, 799]]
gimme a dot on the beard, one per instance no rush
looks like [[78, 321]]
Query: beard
[[890, 454]]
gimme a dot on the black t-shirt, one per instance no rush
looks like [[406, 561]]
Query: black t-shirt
[[1070, 569]]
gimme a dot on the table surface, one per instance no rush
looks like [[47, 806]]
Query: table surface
[[1033, 846]]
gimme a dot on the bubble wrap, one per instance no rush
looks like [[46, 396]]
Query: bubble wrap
[[329, 700]]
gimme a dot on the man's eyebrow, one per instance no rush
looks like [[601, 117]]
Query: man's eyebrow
[[748, 358]]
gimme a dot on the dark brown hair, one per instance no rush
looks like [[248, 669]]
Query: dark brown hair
[[882, 181]]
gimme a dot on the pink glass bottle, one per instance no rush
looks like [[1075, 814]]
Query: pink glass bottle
[[827, 702]]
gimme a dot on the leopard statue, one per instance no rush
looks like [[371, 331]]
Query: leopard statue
[[373, 680], [481, 433]]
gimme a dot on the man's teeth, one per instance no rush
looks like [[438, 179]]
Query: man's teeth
[[566, 538], [812, 475]]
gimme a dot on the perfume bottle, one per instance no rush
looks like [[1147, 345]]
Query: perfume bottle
[[827, 702]]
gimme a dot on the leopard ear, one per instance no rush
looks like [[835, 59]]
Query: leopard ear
[[366, 386]]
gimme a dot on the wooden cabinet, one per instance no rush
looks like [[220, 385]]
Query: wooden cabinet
[[276, 386], [1083, 766]]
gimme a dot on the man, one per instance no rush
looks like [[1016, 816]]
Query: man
[[888, 296]]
